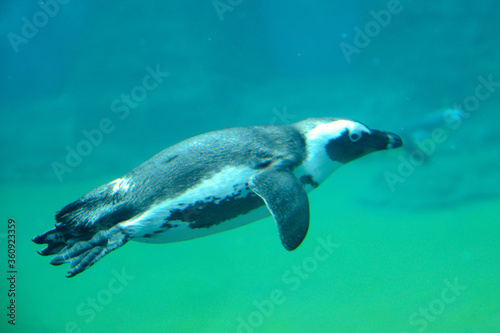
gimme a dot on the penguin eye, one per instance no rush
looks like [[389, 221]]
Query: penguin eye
[[354, 136]]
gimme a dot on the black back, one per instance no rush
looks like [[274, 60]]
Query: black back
[[182, 166]]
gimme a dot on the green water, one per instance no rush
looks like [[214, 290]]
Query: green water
[[385, 264], [395, 244]]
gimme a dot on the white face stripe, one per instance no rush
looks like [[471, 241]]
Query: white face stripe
[[326, 132], [317, 163]]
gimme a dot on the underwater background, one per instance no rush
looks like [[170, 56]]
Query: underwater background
[[399, 241]]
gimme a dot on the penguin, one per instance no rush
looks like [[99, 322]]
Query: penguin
[[211, 183]]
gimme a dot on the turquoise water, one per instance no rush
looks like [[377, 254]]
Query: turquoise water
[[399, 241]]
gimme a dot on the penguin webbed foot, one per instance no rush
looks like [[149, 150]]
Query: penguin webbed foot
[[56, 240], [83, 254]]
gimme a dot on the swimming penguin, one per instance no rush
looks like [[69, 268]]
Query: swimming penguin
[[211, 183]]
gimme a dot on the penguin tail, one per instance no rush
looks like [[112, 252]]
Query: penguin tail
[[84, 253]]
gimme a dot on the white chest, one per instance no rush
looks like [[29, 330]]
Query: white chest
[[173, 220]]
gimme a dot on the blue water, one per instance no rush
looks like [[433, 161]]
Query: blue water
[[399, 241]]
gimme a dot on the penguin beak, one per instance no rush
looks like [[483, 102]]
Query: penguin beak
[[382, 140]]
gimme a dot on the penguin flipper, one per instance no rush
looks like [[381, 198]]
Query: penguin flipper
[[287, 201]]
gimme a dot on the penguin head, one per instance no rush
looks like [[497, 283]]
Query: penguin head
[[351, 140], [345, 140]]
